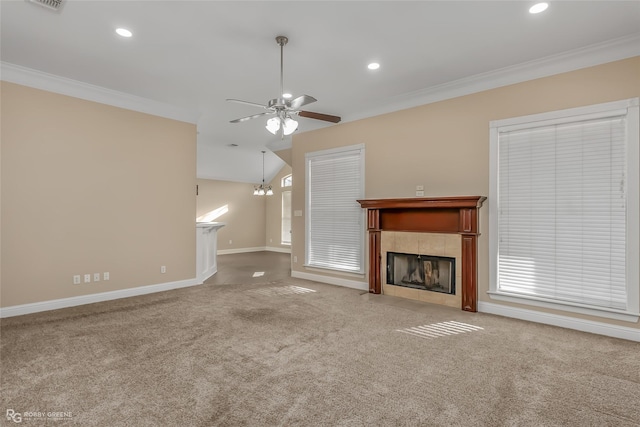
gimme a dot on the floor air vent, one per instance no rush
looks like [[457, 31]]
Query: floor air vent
[[437, 330], [49, 4]]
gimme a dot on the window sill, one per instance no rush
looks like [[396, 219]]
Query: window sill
[[625, 316]]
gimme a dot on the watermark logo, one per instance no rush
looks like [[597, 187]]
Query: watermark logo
[[18, 417], [14, 416]]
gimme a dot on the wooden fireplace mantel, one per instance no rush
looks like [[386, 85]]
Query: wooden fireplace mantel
[[454, 215]]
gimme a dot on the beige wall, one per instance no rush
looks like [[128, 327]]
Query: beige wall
[[251, 222], [245, 219], [89, 188], [445, 145]]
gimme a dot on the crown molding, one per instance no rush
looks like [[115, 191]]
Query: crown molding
[[37, 79], [589, 56], [600, 53]]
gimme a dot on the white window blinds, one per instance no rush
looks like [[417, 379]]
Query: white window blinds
[[562, 195], [334, 229]]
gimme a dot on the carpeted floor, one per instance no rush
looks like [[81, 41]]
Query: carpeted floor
[[276, 351]]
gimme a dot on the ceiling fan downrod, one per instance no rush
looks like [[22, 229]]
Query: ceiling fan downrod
[[281, 40]]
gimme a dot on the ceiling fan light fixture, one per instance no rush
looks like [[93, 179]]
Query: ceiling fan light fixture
[[286, 95], [289, 126], [273, 125]]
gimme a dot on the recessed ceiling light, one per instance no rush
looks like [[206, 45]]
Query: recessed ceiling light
[[538, 7], [124, 32], [373, 66], [286, 95]]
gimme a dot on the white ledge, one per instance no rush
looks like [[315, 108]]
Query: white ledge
[[210, 225]]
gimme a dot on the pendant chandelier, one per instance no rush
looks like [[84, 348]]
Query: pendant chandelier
[[262, 189]]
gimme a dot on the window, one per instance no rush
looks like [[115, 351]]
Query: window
[[285, 230], [564, 209], [286, 218], [334, 220]]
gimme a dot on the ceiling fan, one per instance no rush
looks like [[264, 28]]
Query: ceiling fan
[[283, 108]]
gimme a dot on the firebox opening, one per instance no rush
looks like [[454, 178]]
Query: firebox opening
[[426, 272]]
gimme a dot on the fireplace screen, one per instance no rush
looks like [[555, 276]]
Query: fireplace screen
[[431, 273]]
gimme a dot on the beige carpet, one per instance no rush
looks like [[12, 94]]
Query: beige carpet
[[297, 353]]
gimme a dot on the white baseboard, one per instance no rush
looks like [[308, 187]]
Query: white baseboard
[[256, 249], [36, 307], [615, 331], [363, 286], [241, 250], [281, 250], [206, 276]]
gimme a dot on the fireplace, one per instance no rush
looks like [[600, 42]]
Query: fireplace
[[424, 272], [407, 225]]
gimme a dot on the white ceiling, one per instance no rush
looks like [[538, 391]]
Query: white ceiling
[[190, 56]]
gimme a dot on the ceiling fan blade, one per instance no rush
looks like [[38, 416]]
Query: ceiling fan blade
[[319, 116], [239, 101], [302, 100], [244, 119]]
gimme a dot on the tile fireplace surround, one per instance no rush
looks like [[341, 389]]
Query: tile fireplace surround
[[436, 216]]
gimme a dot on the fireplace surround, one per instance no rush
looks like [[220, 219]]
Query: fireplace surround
[[456, 215]]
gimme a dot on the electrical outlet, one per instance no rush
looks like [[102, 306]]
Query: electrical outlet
[[419, 187], [105, 275], [230, 242], [87, 278], [163, 269], [295, 259], [96, 277], [419, 193], [76, 279]]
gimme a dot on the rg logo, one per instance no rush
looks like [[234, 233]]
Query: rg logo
[[14, 416]]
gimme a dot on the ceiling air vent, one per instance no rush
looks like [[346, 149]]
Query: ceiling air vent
[[49, 4]]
